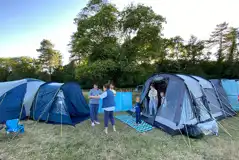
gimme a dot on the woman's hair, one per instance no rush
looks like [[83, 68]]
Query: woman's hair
[[112, 84], [107, 85]]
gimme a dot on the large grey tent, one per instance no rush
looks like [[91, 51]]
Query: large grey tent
[[184, 103], [216, 107], [225, 103]]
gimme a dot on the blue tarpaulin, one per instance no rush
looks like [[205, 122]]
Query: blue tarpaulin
[[123, 102], [129, 120]]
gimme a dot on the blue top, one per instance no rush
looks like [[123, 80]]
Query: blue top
[[94, 92], [108, 100], [137, 108]]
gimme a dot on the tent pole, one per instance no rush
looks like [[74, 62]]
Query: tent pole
[[61, 122], [188, 138], [184, 138], [224, 129], [21, 112], [3, 98]]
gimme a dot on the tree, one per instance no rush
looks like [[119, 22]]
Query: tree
[[5, 68], [141, 27], [18, 68], [23, 67], [107, 43], [194, 49], [49, 58], [141, 43], [231, 46], [96, 24], [218, 39], [94, 43], [176, 48]]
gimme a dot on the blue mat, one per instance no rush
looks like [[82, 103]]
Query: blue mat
[[129, 120]]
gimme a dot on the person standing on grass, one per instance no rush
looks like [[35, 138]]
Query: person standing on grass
[[108, 106], [153, 100], [94, 105], [138, 111]]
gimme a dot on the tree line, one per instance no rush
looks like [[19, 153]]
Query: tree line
[[127, 47]]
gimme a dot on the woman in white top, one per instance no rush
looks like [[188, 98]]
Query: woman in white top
[[153, 102]]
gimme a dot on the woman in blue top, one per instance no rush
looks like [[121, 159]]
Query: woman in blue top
[[94, 105], [108, 105]]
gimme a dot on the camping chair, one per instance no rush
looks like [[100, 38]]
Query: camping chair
[[14, 128]]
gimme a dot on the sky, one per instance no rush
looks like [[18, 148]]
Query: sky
[[25, 23]]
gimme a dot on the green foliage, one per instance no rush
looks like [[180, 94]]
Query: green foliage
[[232, 44], [126, 47], [49, 58], [218, 39], [18, 68], [113, 45]]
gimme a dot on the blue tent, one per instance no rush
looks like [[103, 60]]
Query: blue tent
[[60, 104], [16, 98], [231, 88]]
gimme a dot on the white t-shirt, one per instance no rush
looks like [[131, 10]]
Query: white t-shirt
[[113, 91], [153, 94]]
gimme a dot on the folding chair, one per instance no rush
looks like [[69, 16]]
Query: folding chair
[[14, 128]]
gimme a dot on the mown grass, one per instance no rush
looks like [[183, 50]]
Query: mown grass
[[45, 141]]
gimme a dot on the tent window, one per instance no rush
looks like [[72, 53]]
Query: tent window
[[213, 101], [187, 112], [59, 106], [203, 111]]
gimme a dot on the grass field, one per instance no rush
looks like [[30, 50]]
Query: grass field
[[45, 141]]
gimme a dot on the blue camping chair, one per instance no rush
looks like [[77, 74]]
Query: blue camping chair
[[13, 127]]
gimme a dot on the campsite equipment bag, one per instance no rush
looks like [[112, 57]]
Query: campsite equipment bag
[[193, 131], [209, 128]]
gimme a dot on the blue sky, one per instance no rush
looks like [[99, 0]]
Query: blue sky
[[24, 23]]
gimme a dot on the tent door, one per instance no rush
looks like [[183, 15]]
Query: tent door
[[160, 86]]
